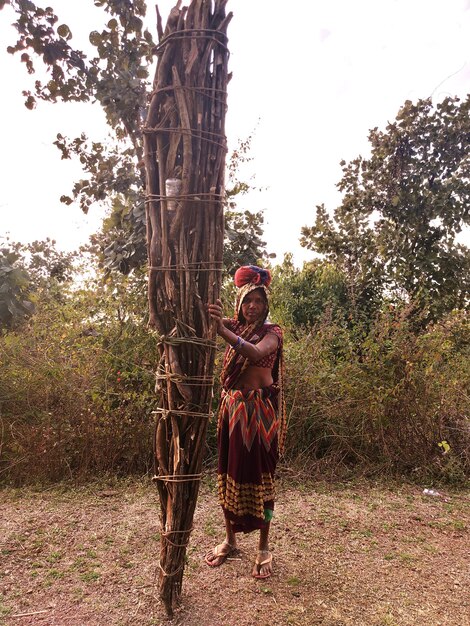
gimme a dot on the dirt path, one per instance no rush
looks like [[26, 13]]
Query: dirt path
[[343, 554]]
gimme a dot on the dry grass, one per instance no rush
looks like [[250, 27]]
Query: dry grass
[[362, 554]]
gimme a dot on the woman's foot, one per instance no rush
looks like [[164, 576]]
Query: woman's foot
[[263, 567], [219, 554]]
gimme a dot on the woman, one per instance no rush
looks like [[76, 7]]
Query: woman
[[251, 423]]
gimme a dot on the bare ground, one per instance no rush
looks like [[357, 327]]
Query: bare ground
[[358, 553]]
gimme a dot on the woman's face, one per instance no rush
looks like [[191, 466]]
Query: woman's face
[[254, 306]]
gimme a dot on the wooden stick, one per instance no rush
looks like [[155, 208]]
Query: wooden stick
[[31, 613]]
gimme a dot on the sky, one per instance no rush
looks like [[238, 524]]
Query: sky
[[309, 80]]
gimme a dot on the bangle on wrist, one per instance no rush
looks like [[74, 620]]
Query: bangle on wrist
[[239, 343]]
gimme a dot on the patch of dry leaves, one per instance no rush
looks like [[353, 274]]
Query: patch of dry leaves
[[362, 554]]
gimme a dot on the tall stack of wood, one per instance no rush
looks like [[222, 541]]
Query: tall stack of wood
[[185, 149]]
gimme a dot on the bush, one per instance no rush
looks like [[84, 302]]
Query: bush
[[76, 391], [387, 404]]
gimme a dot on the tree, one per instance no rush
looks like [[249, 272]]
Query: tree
[[243, 243], [117, 78], [302, 298], [15, 301], [402, 209], [45, 264], [26, 270]]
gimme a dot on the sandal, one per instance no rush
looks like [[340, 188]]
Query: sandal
[[219, 554], [259, 564]]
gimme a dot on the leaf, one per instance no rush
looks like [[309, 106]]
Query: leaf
[[64, 31], [30, 103], [445, 446], [95, 38], [52, 86]]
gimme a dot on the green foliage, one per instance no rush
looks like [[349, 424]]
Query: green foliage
[[365, 388], [25, 271], [243, 229], [402, 209], [76, 386], [243, 243], [117, 78], [385, 407], [111, 171], [39, 34], [45, 265], [15, 300], [121, 243], [302, 298]]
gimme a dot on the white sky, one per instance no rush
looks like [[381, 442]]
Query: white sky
[[311, 77]]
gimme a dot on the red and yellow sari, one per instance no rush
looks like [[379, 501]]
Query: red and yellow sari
[[251, 431]]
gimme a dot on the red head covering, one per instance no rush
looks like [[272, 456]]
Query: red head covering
[[252, 274], [248, 278]]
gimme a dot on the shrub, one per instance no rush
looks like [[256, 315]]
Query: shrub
[[76, 391], [385, 404]]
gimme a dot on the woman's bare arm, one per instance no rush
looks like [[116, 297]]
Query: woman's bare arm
[[254, 353]]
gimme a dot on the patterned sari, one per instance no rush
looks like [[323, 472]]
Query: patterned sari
[[251, 428]]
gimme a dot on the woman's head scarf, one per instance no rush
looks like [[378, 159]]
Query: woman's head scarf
[[248, 278]]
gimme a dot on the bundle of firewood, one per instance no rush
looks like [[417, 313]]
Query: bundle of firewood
[[185, 149]]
